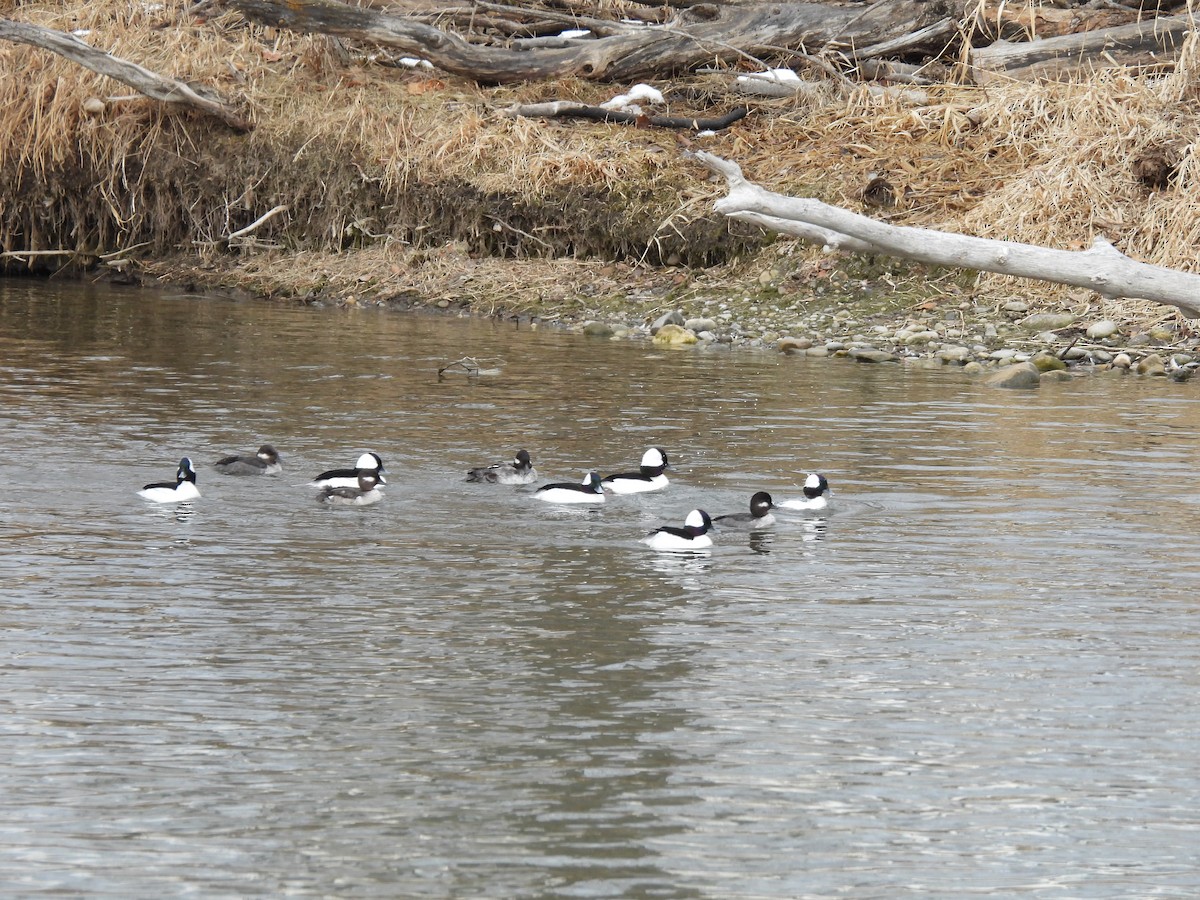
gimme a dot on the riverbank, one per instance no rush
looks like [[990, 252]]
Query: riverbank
[[403, 188]]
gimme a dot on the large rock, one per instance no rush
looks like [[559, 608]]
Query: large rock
[[1047, 321], [674, 335], [1151, 365], [1047, 362], [675, 317], [1019, 375]]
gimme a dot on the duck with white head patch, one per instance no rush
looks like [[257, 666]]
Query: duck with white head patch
[[759, 516], [816, 494], [692, 536], [265, 462], [183, 488], [519, 471], [586, 491], [649, 476], [364, 493], [349, 477]]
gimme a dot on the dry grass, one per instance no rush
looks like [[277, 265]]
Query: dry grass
[[392, 163]]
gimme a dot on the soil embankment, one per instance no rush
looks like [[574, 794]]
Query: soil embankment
[[404, 187]]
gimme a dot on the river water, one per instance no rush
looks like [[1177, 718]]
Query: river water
[[977, 674]]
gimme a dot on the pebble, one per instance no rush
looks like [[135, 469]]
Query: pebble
[[1101, 330]]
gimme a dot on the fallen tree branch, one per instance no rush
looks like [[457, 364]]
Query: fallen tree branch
[[157, 87], [1101, 268], [564, 109], [1152, 42], [236, 236], [697, 35]]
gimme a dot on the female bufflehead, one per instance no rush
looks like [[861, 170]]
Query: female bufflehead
[[184, 487], [349, 477], [519, 471], [816, 494], [264, 462], [692, 536], [364, 493], [587, 491], [649, 478], [759, 516]]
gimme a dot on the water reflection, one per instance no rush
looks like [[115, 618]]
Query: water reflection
[[976, 669]]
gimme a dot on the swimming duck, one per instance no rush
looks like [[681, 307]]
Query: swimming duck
[[349, 477], [692, 536], [519, 471], [265, 462], [586, 491], [816, 494], [649, 477], [759, 516], [183, 488], [364, 493]]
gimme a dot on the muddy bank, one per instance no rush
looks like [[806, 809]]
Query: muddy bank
[[403, 188]]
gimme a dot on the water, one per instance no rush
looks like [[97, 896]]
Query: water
[[976, 675]]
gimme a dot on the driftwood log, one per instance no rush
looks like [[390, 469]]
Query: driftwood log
[[1101, 268], [1153, 42], [566, 109], [153, 85], [613, 50]]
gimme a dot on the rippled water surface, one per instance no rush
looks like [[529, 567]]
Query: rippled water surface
[[978, 674]]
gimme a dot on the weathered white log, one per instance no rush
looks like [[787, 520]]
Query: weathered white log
[[1154, 41], [151, 84], [1101, 268]]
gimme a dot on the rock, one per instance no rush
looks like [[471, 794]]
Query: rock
[[953, 354], [872, 356], [1074, 354], [817, 351], [93, 106], [792, 345], [675, 317], [1047, 362], [1016, 306], [597, 329], [706, 336], [834, 346], [1018, 375], [1057, 375], [1006, 353], [974, 367], [674, 335], [1101, 330], [698, 325], [921, 337], [1151, 365], [1047, 321], [1121, 361]]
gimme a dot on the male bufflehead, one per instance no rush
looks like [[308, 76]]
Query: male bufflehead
[[816, 494], [264, 462], [349, 477], [519, 471], [759, 516], [587, 491], [692, 536], [364, 493], [183, 488], [650, 477]]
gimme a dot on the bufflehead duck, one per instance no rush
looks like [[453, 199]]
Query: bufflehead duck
[[349, 477], [587, 491], [692, 536], [650, 477], [364, 493], [759, 516], [184, 487], [264, 462], [816, 494], [519, 471]]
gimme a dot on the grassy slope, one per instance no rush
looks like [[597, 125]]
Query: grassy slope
[[404, 186]]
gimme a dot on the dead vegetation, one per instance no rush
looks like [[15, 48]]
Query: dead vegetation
[[400, 183]]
